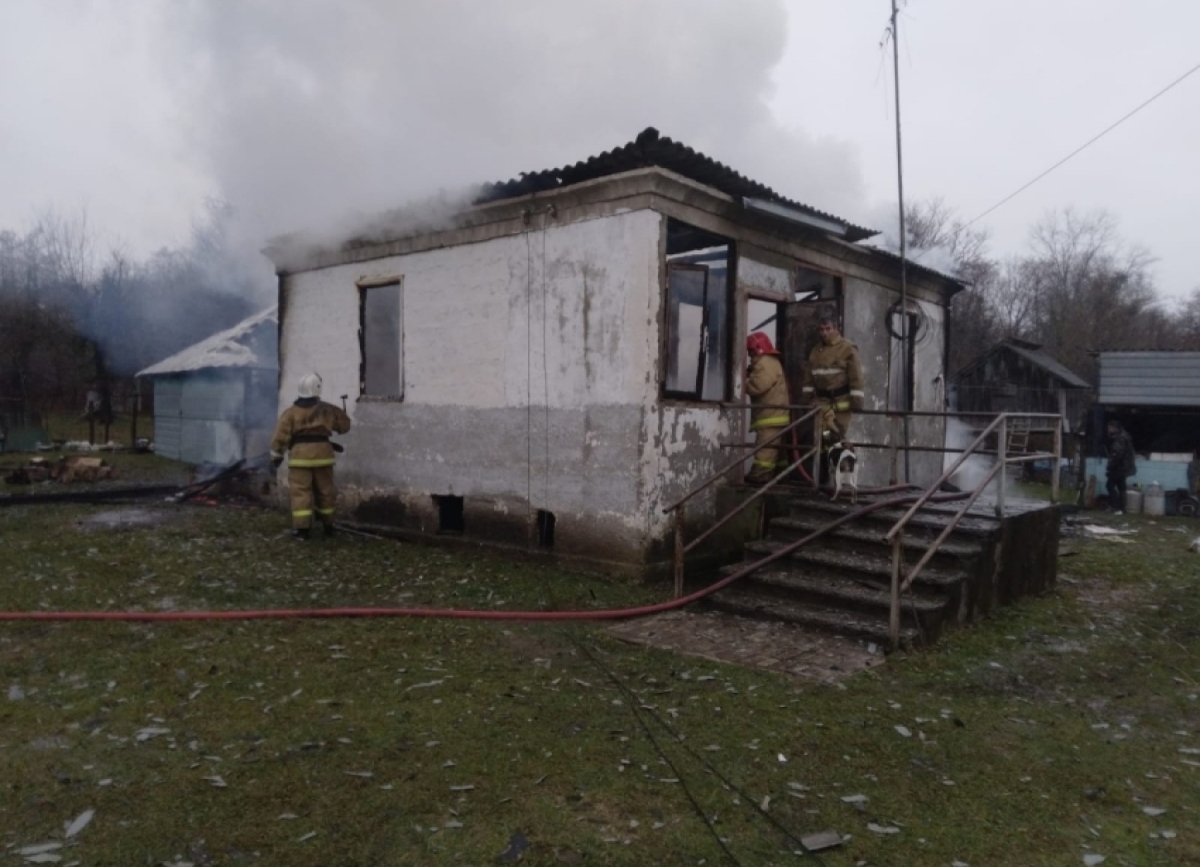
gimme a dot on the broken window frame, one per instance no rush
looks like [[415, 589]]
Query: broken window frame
[[673, 356], [687, 248], [365, 286]]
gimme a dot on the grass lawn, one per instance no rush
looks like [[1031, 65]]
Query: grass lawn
[[1057, 730]]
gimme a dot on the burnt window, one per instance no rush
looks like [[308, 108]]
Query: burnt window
[[697, 350], [381, 338]]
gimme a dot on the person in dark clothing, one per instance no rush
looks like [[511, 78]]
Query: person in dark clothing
[[1120, 465]]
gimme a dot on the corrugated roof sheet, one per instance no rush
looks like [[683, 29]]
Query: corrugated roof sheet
[[1148, 378], [651, 149], [915, 266], [244, 345]]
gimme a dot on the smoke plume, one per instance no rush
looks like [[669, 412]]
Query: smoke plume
[[314, 114]]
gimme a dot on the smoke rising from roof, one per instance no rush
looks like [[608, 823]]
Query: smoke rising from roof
[[313, 114]]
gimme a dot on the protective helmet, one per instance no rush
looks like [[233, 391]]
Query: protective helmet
[[758, 343], [310, 385]]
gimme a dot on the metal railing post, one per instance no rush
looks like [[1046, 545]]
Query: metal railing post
[[1002, 459], [894, 611], [894, 436], [1054, 472], [679, 551], [818, 424]]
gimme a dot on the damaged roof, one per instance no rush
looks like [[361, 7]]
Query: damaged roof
[[252, 343], [651, 149], [1031, 352]]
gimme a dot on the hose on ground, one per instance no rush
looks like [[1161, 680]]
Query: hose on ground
[[472, 614]]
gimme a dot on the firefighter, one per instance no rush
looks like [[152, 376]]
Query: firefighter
[[767, 387], [833, 379], [303, 432]]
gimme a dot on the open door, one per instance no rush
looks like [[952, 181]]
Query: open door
[[800, 336]]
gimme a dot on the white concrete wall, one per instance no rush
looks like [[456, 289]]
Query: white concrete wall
[[866, 306], [529, 363]]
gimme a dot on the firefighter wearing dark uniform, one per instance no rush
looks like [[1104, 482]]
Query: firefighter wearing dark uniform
[[767, 387], [303, 432], [833, 379]]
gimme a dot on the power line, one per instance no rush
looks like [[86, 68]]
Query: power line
[[1084, 146]]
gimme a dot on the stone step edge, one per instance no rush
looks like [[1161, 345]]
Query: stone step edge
[[875, 596], [880, 566], [800, 526], [833, 620]]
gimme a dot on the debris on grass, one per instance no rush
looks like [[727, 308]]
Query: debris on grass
[[151, 732], [882, 829], [38, 849], [517, 844], [1153, 811], [79, 823], [304, 837], [1091, 859], [903, 731], [820, 841]]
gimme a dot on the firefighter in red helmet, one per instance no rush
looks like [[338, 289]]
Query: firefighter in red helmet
[[767, 387]]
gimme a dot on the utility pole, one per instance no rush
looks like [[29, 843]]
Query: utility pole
[[905, 368]]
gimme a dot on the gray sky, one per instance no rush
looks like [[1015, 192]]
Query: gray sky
[[302, 113]]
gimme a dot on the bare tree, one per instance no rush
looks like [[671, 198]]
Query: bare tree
[[1090, 290]]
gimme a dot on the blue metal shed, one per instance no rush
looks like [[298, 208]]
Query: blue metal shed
[[215, 401]]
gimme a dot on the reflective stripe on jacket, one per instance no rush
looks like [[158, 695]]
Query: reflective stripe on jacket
[[767, 387], [834, 374], [316, 421]]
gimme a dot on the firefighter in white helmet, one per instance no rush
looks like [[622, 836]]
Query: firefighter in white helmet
[[303, 431]]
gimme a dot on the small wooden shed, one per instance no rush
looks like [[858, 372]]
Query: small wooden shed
[[214, 402]]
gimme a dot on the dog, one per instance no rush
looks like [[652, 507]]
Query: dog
[[843, 469]]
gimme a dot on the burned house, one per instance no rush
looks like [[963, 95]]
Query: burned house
[[566, 355], [214, 402]]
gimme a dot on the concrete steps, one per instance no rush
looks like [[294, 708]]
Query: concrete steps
[[841, 582]]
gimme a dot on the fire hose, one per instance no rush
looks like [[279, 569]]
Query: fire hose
[[471, 614]]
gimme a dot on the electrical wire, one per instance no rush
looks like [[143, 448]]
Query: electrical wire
[[1083, 146], [636, 705]]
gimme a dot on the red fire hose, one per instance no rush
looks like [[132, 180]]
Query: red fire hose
[[608, 614]]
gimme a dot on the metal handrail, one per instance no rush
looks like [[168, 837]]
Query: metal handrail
[[677, 506], [898, 527], [737, 510], [716, 476], [896, 534]]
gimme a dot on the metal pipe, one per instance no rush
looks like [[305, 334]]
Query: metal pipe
[[949, 528], [1055, 471], [746, 502], [721, 472], [899, 525], [1002, 461], [894, 610]]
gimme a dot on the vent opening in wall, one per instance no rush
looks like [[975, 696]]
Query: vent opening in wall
[[450, 513], [545, 528]]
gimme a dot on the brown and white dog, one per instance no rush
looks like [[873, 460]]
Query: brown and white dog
[[843, 469]]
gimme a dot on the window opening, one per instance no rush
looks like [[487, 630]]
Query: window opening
[[812, 285], [450, 513], [699, 267], [381, 339], [904, 330], [545, 528]]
